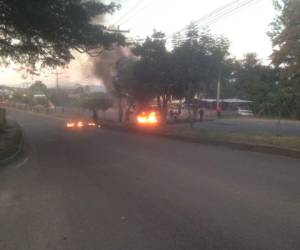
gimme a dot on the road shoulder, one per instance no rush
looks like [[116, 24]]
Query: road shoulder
[[11, 143]]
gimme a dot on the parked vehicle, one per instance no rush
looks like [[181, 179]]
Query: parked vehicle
[[245, 112]]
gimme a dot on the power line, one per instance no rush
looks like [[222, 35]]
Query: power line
[[211, 14], [218, 17], [206, 16], [219, 14], [225, 15], [153, 13], [128, 12], [250, 3], [232, 10], [136, 14], [217, 11]]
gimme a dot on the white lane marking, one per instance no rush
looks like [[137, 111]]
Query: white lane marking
[[23, 162]]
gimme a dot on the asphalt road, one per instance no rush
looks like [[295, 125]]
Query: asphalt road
[[100, 189]]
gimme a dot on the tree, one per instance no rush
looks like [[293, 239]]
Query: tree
[[197, 64], [286, 55], [21, 97], [192, 32], [97, 101], [285, 36], [124, 85], [152, 71], [38, 88], [256, 82], [48, 31], [177, 40], [214, 51]]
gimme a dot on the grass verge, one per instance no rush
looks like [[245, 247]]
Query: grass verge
[[272, 144], [284, 143]]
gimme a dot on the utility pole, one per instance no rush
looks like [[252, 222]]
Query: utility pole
[[57, 79], [57, 87], [218, 92], [218, 108]]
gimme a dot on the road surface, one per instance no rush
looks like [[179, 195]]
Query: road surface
[[103, 189]]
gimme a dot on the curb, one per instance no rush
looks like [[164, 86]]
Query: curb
[[233, 145], [19, 150]]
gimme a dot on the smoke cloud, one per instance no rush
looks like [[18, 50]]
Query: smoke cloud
[[104, 66]]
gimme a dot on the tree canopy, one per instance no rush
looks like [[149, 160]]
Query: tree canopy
[[285, 36], [199, 59], [251, 80], [193, 66], [286, 55], [47, 31], [151, 71], [38, 88]]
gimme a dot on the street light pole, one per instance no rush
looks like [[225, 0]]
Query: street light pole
[[278, 126]]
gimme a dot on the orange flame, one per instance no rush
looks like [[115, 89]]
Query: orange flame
[[70, 125], [152, 118], [143, 118], [80, 124]]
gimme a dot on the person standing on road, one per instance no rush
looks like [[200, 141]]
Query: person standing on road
[[95, 117], [201, 113]]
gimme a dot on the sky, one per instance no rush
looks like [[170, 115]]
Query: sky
[[246, 29]]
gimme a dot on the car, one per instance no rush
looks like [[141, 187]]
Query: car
[[245, 112]]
